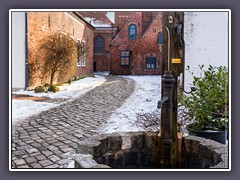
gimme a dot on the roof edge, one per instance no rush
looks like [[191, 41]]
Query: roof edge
[[81, 17]]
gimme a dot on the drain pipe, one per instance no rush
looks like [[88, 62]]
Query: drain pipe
[[168, 47], [26, 53]]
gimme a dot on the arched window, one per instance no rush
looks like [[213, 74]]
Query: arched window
[[160, 38], [132, 31], [98, 45]]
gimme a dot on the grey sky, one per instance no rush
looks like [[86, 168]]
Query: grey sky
[[110, 15]]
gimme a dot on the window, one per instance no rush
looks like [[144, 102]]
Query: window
[[160, 38], [81, 61], [79, 53], [151, 63], [98, 45], [83, 57], [124, 57], [132, 31]]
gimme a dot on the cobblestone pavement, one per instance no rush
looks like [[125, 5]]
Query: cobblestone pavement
[[42, 140]]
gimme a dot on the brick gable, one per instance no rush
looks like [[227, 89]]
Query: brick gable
[[122, 42], [149, 24], [147, 46]]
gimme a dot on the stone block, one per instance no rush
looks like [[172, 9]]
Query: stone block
[[45, 163], [86, 161], [30, 160], [119, 162], [149, 140], [87, 146], [114, 142], [137, 140], [130, 157], [110, 159], [126, 141], [102, 148], [20, 162]]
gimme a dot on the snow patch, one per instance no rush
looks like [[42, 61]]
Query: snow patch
[[143, 100], [22, 109]]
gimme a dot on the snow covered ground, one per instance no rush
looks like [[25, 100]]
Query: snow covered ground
[[22, 109], [143, 100]]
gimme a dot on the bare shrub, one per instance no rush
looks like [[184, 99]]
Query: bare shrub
[[151, 121], [56, 56]]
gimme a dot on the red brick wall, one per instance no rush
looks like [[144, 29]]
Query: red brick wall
[[41, 24], [103, 60], [121, 18], [147, 18], [122, 42], [147, 46]]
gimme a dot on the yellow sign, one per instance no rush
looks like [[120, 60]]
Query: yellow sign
[[176, 61]]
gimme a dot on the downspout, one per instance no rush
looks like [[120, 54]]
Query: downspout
[[26, 53]]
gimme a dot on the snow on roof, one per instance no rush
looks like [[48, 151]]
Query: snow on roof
[[97, 19]]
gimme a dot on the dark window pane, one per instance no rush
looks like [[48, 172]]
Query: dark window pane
[[99, 45], [150, 63], [132, 31], [124, 57]]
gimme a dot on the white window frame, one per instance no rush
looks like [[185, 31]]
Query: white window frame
[[83, 57], [79, 62]]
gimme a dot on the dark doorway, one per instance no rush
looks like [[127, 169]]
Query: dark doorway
[[95, 66]]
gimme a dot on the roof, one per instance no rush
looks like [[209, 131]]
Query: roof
[[82, 18], [96, 18]]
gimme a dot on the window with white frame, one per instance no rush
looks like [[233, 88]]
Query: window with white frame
[[83, 54], [79, 53], [151, 63], [81, 59]]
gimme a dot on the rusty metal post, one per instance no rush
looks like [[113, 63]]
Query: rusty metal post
[[168, 85], [173, 60]]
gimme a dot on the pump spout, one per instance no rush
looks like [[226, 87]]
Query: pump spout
[[163, 100]]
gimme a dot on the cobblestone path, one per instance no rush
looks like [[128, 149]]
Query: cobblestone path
[[42, 140]]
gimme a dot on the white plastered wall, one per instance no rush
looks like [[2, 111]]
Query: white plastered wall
[[18, 50], [206, 41]]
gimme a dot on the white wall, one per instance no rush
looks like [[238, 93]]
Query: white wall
[[206, 41], [18, 50]]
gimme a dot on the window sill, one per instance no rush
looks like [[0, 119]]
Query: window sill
[[99, 54]]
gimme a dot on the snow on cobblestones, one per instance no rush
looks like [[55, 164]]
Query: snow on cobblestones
[[22, 109], [143, 100]]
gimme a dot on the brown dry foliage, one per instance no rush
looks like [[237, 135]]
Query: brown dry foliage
[[151, 121], [56, 56]]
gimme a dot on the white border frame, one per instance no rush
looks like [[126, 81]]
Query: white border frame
[[115, 10]]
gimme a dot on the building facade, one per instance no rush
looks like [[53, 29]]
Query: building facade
[[135, 49], [41, 24], [29, 28], [206, 36], [129, 44], [19, 51], [104, 32]]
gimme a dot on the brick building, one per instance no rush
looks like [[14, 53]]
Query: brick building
[[129, 45], [103, 34], [135, 49], [146, 53], [41, 24]]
